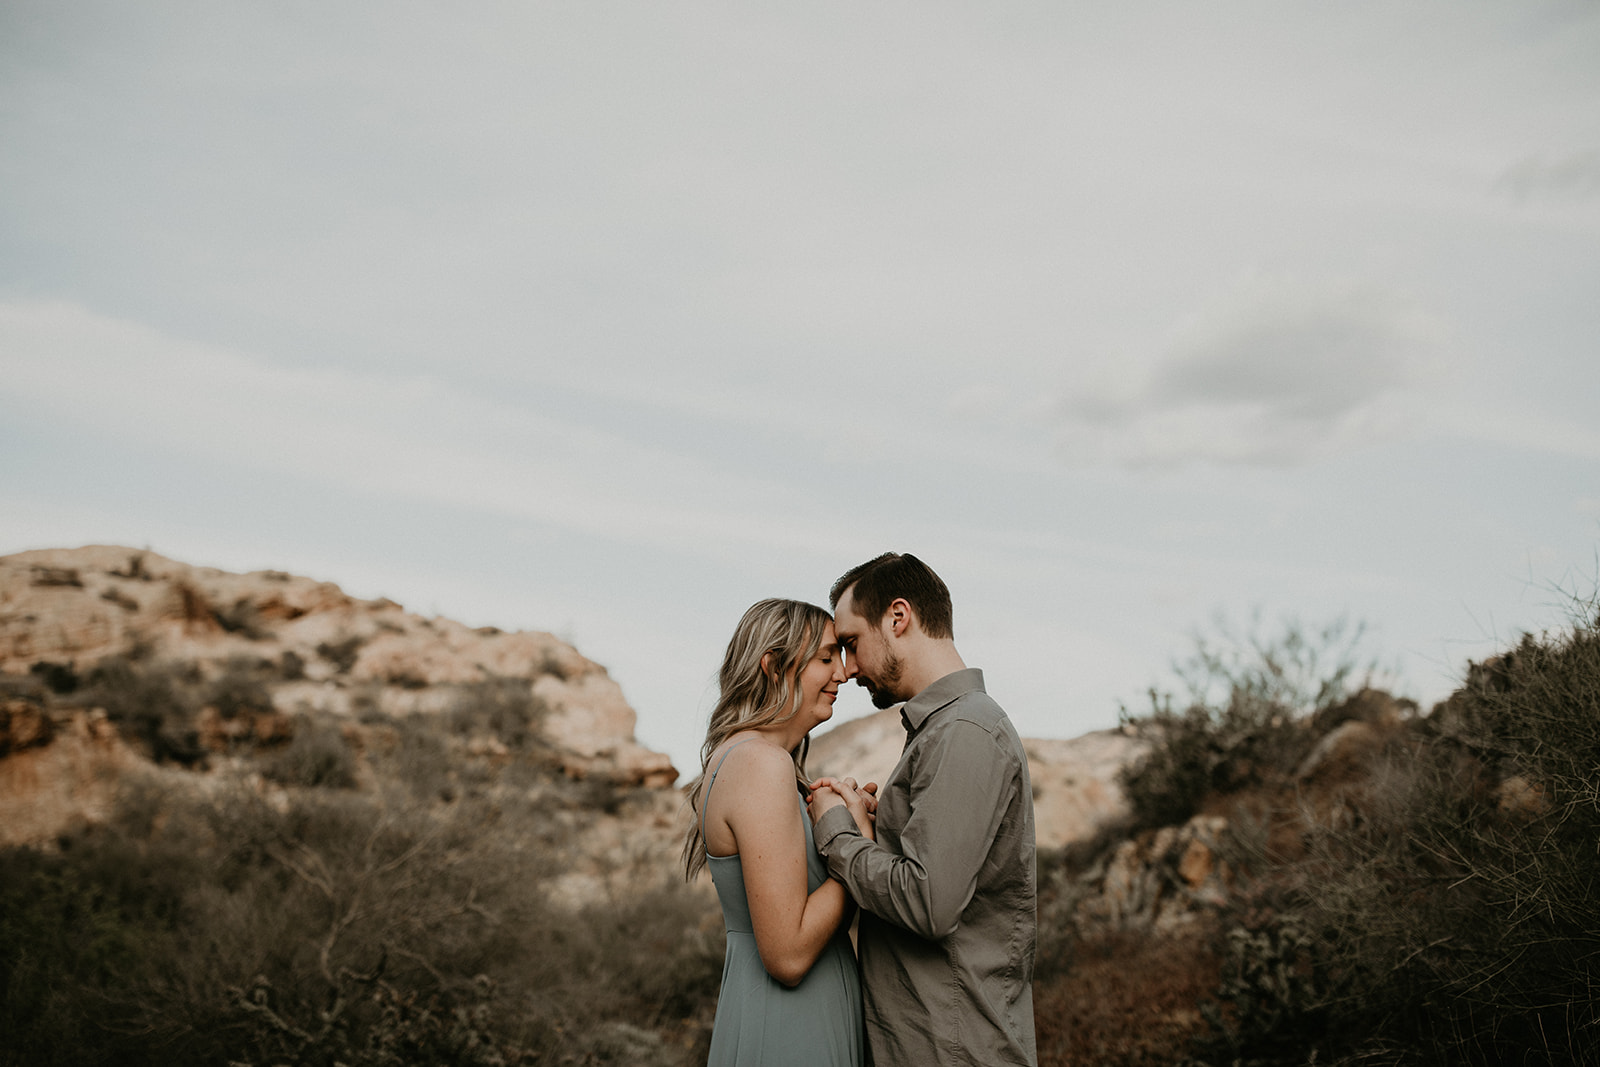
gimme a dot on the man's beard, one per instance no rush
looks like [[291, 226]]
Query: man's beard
[[883, 695]]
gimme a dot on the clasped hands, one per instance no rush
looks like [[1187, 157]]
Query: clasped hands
[[860, 801]]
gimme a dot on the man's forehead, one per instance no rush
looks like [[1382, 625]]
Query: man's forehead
[[846, 620]]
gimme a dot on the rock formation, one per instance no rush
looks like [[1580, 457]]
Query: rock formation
[[62, 611], [329, 654], [1075, 790]]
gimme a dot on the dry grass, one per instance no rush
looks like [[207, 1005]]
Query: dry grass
[[1129, 1000]]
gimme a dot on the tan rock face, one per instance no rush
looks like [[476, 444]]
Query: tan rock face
[[74, 779], [1075, 790], [23, 724], [1163, 880], [321, 649]]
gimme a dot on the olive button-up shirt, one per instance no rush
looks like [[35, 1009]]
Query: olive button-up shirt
[[947, 891]]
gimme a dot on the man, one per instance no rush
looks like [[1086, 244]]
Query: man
[[946, 940]]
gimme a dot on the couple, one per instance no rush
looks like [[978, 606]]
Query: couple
[[940, 860]]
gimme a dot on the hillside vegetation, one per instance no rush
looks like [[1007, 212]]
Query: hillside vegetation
[[252, 820], [1377, 886], [246, 819]]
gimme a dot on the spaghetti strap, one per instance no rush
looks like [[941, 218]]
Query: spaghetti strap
[[705, 797]]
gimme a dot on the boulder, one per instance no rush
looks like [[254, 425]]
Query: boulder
[[23, 724], [1075, 789]]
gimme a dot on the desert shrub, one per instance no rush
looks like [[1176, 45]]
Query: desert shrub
[[665, 948], [241, 687], [1249, 700], [73, 932], [339, 927], [152, 703], [318, 756], [59, 678], [503, 708], [1450, 918], [135, 569], [342, 653], [1272, 1004], [291, 666], [417, 757], [113, 595], [243, 617], [55, 576], [1127, 1001]]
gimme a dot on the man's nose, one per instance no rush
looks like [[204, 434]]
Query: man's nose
[[849, 665]]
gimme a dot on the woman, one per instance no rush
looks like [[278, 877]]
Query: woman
[[790, 994]]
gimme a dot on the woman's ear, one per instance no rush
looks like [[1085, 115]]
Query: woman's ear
[[766, 665]]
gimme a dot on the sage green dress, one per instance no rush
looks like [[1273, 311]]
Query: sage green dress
[[759, 1020]]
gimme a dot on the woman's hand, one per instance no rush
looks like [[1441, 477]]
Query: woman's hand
[[860, 801]]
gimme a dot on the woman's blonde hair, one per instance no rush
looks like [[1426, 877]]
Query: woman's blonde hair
[[789, 632]]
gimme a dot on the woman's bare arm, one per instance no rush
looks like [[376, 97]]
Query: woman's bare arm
[[762, 809]]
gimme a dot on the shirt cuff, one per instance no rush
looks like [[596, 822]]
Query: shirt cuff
[[834, 821]]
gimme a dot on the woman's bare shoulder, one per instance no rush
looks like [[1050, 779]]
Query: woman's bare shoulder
[[753, 756]]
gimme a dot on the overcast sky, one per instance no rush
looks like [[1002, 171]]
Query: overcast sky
[[612, 318]]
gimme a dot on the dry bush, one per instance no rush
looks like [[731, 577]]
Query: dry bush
[[342, 653], [502, 708], [241, 688], [1128, 999], [1449, 918], [339, 927], [318, 756], [152, 702], [1245, 723]]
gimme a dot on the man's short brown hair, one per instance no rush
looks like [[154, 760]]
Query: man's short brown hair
[[893, 576]]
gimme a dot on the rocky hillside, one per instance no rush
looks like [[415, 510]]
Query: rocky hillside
[[410, 811], [248, 818], [316, 651], [258, 657]]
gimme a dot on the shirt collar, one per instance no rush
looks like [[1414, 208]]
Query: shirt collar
[[915, 712]]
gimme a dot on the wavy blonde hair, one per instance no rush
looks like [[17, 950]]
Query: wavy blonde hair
[[790, 631]]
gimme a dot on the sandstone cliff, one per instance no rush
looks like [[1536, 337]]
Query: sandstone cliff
[[1075, 790], [312, 650]]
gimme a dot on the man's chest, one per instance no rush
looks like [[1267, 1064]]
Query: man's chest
[[898, 797]]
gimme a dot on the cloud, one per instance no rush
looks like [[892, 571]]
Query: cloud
[[409, 437], [1536, 177], [1278, 375]]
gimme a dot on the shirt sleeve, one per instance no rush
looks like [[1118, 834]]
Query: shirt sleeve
[[958, 794]]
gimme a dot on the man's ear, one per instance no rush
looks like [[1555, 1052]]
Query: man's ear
[[899, 617]]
